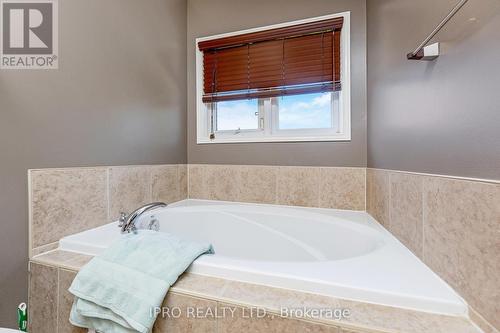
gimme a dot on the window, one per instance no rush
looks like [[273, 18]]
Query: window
[[312, 111], [237, 115], [288, 82]]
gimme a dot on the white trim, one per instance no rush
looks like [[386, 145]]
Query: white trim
[[239, 139], [344, 131], [470, 179]]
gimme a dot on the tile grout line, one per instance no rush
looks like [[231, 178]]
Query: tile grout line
[[389, 223], [318, 186], [30, 214], [424, 205], [57, 299], [217, 304], [108, 206], [178, 182], [276, 185], [366, 189], [188, 176], [150, 174]]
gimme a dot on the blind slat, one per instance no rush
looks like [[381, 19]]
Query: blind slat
[[258, 67]]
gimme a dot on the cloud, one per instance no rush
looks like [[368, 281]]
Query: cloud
[[305, 111]]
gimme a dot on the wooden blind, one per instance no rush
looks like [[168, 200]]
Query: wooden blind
[[285, 61]]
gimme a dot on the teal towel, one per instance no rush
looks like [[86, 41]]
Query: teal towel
[[117, 291]]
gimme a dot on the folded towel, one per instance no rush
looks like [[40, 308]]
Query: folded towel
[[117, 291]]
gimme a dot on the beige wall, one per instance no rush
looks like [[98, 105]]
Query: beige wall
[[117, 98], [439, 117], [207, 18]]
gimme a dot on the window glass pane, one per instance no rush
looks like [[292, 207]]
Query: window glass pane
[[305, 111], [234, 115]]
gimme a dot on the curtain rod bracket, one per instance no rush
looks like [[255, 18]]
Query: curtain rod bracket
[[429, 53]]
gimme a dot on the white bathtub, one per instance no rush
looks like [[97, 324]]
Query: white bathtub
[[344, 254]]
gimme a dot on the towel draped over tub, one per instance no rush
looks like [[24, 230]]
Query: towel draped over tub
[[117, 291]]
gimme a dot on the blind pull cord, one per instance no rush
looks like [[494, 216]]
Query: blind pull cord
[[214, 104]]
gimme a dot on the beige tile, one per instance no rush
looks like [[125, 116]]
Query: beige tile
[[69, 260], [222, 182], [65, 300], [369, 317], [462, 239], [44, 248], [183, 182], [66, 201], [477, 319], [342, 188], [298, 186], [186, 315], [77, 262], [365, 316], [165, 183], [42, 303], [258, 184], [197, 186], [129, 188], [378, 195], [55, 257], [259, 295], [251, 320], [406, 210], [200, 285]]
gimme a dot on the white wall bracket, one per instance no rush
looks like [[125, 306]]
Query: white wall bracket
[[429, 52]]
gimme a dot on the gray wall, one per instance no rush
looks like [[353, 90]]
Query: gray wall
[[438, 117], [207, 18], [118, 98]]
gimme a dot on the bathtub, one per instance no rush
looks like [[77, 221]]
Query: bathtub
[[344, 254]]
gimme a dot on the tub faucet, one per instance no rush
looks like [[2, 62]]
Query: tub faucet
[[127, 222]]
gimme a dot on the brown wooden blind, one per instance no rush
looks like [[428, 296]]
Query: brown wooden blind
[[292, 60]]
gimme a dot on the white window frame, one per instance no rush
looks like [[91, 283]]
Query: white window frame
[[266, 111]]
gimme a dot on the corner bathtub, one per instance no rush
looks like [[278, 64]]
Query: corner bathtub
[[344, 254]]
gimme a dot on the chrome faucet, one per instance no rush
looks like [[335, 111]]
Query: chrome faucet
[[127, 222]]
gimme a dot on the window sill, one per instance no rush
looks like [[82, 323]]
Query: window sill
[[202, 141]]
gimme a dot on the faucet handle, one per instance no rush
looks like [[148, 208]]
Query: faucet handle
[[123, 218]]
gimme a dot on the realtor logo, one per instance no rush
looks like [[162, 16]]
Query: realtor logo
[[28, 34]]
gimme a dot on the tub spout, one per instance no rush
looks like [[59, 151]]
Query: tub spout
[[127, 223]]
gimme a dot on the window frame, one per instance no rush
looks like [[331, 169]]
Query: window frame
[[268, 134]]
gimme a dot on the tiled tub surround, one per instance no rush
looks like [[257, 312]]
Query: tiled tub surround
[[52, 273], [340, 188], [70, 200], [452, 225]]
